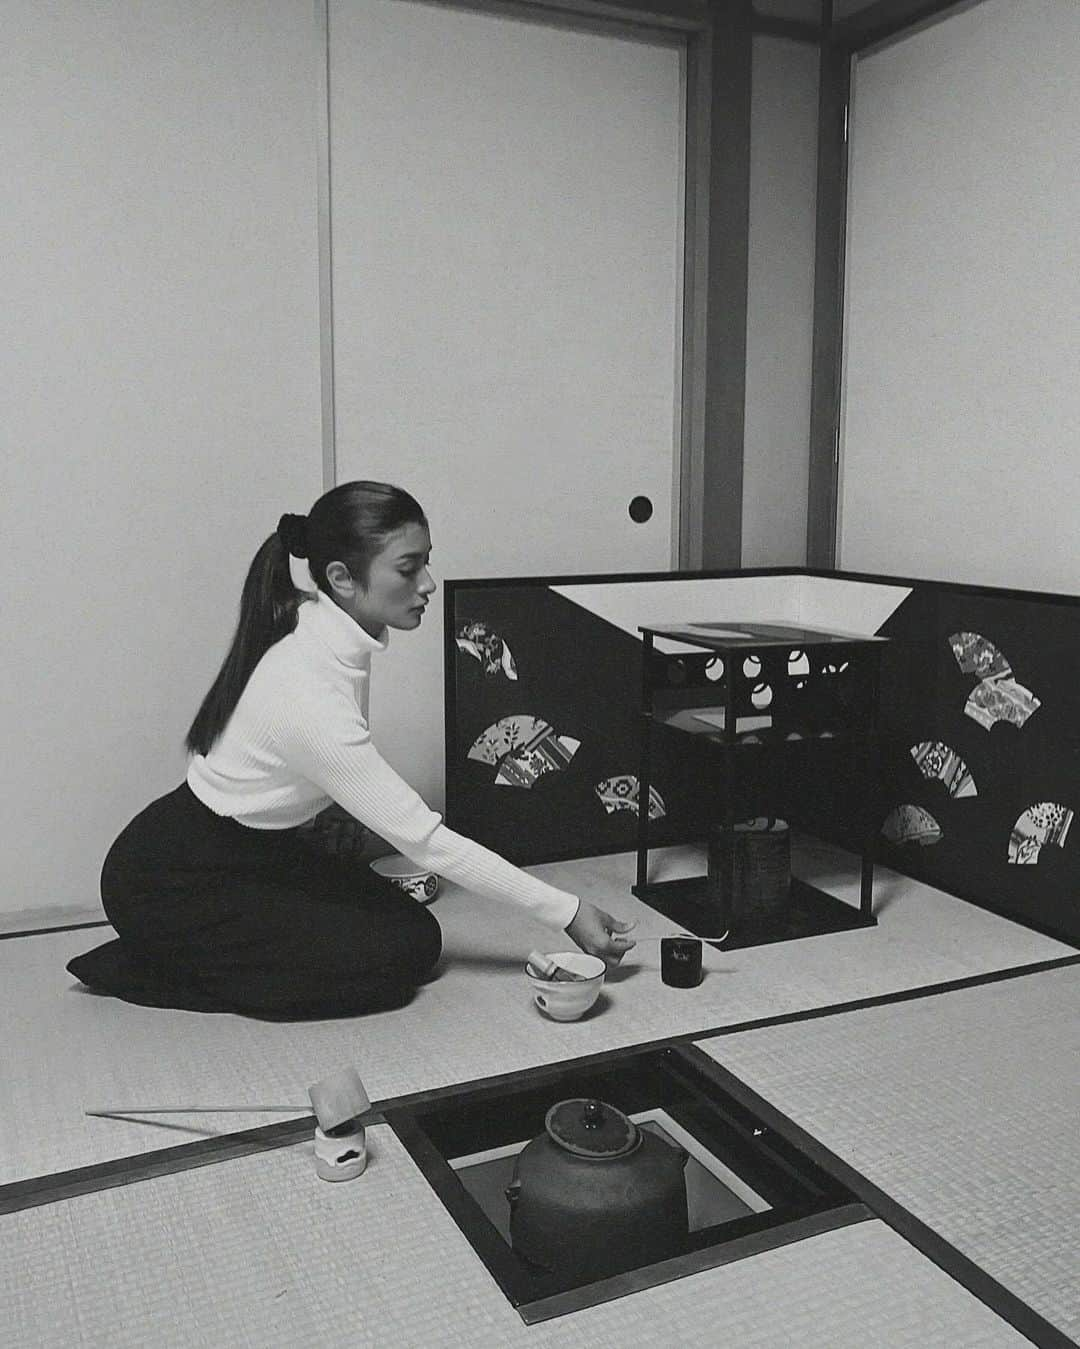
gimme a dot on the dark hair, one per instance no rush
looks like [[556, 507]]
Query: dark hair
[[349, 524]]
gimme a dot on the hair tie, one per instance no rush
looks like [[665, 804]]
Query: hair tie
[[292, 531]]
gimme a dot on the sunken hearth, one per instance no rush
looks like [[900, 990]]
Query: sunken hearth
[[746, 1188]]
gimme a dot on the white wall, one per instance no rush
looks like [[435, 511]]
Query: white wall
[[961, 439], [160, 389], [780, 301]]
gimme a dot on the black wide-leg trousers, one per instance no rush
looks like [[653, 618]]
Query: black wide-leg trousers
[[214, 916]]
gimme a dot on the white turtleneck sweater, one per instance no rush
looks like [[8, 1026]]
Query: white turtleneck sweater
[[300, 738]]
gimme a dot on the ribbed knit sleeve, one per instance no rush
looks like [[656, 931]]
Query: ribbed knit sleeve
[[329, 744]]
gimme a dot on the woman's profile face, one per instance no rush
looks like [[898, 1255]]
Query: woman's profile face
[[399, 583]]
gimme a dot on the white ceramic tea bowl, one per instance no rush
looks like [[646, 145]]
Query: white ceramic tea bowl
[[567, 1001], [422, 885]]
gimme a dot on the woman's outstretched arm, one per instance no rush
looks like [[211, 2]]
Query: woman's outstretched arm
[[334, 750]]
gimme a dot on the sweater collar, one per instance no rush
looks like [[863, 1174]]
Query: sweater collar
[[338, 631]]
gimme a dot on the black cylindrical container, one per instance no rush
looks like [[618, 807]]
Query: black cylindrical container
[[680, 961], [762, 869]]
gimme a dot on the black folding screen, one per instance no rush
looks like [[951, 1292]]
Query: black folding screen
[[577, 674], [981, 721], [980, 741]]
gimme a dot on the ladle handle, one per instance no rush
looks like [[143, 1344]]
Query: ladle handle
[[680, 936]]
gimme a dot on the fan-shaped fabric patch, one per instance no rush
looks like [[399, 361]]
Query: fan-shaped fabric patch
[[911, 824], [523, 748], [485, 645], [523, 769], [1044, 823], [977, 655], [505, 735], [936, 760], [798, 663], [994, 700], [622, 792]]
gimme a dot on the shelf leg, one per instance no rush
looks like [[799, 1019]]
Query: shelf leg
[[644, 767], [726, 905], [643, 802], [871, 776]]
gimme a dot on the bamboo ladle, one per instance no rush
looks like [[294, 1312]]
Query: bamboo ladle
[[337, 1100]]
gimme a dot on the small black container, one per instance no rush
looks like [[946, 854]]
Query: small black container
[[680, 961]]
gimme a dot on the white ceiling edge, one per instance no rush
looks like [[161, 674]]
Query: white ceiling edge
[[729, 599], [858, 607]]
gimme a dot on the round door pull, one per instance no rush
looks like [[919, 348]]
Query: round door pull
[[640, 510]]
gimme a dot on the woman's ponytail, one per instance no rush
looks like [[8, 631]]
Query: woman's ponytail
[[268, 608], [351, 523]]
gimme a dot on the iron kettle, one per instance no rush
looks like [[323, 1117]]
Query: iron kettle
[[595, 1195]]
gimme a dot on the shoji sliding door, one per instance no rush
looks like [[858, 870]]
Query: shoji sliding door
[[961, 427], [506, 222]]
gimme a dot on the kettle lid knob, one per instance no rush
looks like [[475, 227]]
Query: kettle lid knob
[[591, 1128]]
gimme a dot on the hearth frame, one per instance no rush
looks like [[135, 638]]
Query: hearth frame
[[806, 1198]]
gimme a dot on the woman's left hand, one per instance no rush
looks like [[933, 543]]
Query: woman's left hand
[[600, 934]]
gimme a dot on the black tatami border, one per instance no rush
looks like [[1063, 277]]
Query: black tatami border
[[82, 1180]]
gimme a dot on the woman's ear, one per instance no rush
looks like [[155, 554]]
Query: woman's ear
[[340, 580]]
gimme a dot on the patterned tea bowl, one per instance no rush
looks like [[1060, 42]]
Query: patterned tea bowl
[[422, 885], [571, 1000]]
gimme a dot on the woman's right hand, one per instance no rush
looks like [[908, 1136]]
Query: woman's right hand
[[600, 934]]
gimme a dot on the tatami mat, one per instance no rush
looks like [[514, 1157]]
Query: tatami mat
[[65, 1050], [259, 1252], [964, 1108]]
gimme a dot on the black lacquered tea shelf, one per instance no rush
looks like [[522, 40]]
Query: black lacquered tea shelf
[[739, 689]]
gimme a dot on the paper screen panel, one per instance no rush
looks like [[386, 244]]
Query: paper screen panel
[[961, 415]]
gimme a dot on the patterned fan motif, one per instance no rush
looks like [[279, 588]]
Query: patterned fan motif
[[936, 760], [1044, 823], [485, 645], [621, 793], [997, 696], [994, 700], [523, 748], [977, 655], [911, 824]]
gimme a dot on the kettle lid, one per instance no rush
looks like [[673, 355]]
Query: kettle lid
[[591, 1128]]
